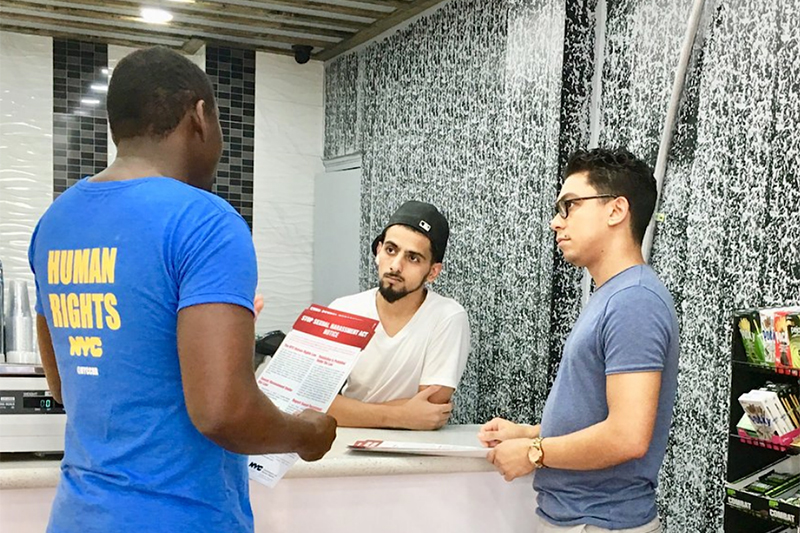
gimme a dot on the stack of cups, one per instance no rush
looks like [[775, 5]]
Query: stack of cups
[[20, 347], [2, 319]]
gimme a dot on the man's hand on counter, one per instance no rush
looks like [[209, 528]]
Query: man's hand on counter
[[499, 430], [429, 409], [322, 435], [510, 457], [419, 412]]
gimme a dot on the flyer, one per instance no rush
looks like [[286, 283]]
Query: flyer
[[417, 448], [307, 372]]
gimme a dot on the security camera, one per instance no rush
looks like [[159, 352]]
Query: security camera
[[302, 52]]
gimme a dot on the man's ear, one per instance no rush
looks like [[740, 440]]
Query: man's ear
[[436, 269], [620, 209], [200, 121]]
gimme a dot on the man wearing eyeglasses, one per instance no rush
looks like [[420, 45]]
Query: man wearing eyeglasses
[[605, 424]]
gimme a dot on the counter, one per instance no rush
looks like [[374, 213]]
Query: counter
[[346, 491]]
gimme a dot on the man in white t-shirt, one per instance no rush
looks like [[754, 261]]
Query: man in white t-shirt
[[407, 374]]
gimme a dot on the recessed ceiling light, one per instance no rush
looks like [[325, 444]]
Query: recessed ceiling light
[[106, 71], [155, 16], [90, 101], [99, 87], [183, 1]]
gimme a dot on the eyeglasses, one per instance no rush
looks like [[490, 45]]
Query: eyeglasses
[[563, 205]]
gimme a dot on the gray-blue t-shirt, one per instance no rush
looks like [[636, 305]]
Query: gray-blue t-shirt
[[629, 325]]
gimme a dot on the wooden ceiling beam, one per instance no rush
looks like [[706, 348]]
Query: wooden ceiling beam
[[386, 3], [204, 8], [65, 32], [173, 29], [211, 22], [122, 39], [323, 8], [399, 16]]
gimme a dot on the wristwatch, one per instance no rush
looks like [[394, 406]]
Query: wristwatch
[[536, 453]]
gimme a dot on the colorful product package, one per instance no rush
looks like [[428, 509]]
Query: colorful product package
[[793, 330], [767, 320], [782, 355], [748, 322]]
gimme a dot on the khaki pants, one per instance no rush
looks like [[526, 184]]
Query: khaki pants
[[543, 526]]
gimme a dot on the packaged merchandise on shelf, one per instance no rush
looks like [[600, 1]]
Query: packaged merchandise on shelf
[[770, 397], [770, 493], [746, 425], [748, 322], [774, 335], [767, 413], [764, 421], [786, 489], [767, 317], [773, 483], [793, 331], [783, 355], [773, 403], [787, 393]]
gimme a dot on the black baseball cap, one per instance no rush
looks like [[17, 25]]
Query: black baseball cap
[[424, 218]]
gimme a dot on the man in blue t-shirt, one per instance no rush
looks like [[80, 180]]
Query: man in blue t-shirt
[[145, 285], [605, 424]]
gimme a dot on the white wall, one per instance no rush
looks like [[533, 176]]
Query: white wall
[[26, 145], [288, 157]]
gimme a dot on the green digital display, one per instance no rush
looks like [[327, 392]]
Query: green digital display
[[40, 402]]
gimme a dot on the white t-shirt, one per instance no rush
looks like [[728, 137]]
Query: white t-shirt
[[431, 349]]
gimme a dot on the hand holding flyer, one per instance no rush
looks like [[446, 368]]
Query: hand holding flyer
[[308, 370]]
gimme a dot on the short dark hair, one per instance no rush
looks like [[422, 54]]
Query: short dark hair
[[151, 90], [620, 173]]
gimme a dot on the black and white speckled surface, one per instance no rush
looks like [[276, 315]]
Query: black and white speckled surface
[[475, 108], [472, 126]]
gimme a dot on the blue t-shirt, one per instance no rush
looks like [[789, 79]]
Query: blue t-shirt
[[629, 325], [114, 262]]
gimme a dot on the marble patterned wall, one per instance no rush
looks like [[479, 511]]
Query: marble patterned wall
[[487, 153], [732, 200], [575, 123], [342, 125], [461, 109]]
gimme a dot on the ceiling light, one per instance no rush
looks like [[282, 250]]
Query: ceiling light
[[106, 71], [99, 87], [155, 16], [90, 101], [183, 1]]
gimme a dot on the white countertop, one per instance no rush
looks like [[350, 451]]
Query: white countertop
[[27, 472], [341, 462]]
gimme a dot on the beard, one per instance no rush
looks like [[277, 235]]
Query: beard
[[391, 295]]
